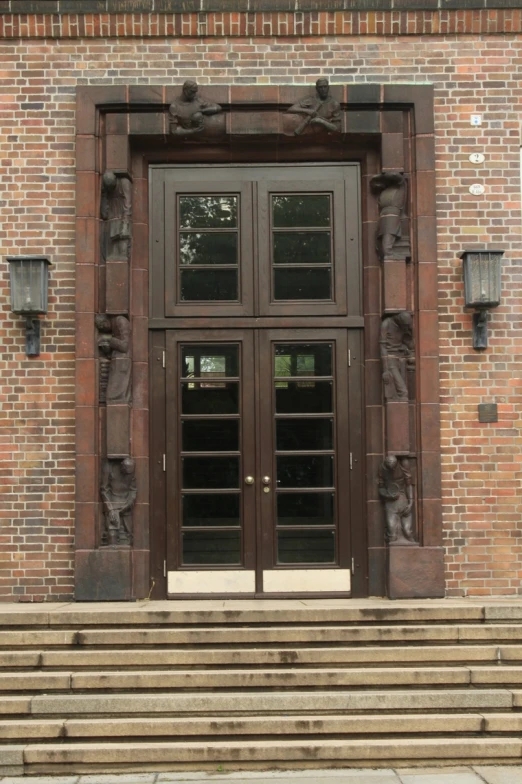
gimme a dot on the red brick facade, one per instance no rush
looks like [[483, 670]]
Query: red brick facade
[[42, 66]]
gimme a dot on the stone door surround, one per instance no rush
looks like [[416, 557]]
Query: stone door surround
[[390, 128]]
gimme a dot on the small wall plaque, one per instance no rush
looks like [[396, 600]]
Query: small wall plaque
[[477, 189], [488, 412]]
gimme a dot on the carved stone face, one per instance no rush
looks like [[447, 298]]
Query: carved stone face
[[390, 461], [109, 180], [127, 466], [404, 320], [190, 90], [322, 88]]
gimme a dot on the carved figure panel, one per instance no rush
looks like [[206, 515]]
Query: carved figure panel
[[114, 345], [188, 111], [118, 492], [396, 492], [319, 111], [397, 354], [116, 214], [392, 191]]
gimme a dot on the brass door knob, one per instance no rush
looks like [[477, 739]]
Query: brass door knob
[[249, 480], [266, 480]]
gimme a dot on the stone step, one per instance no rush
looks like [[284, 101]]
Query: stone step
[[214, 657], [270, 679], [274, 635], [252, 678], [308, 724], [268, 702], [261, 612], [368, 751], [35, 638]]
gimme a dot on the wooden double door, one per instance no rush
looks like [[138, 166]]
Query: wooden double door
[[260, 295]]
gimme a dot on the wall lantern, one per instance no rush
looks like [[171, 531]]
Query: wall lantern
[[481, 288], [29, 277]]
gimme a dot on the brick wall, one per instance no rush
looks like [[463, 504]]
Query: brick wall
[[477, 74]]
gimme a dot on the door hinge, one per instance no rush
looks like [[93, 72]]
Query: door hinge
[[353, 565], [351, 461], [349, 358], [164, 360], [164, 462], [164, 568]]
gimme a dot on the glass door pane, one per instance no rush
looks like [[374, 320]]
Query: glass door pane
[[210, 430], [304, 454], [305, 460]]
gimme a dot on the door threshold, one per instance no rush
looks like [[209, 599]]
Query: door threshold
[[264, 596]]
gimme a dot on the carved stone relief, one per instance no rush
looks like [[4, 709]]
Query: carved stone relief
[[397, 354], [188, 111], [115, 351], [391, 187], [118, 492], [116, 214], [396, 492], [319, 111]]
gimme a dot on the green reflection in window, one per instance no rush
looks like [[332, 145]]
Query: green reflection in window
[[207, 212], [301, 210]]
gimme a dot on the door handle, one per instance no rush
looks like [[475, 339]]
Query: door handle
[[249, 480], [266, 480]]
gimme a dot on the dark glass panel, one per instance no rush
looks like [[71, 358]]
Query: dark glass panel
[[302, 283], [211, 548], [305, 509], [304, 397], [298, 435], [304, 470], [201, 398], [204, 473], [216, 248], [302, 247], [208, 285], [303, 359], [305, 547], [301, 210], [207, 361], [211, 509], [210, 435], [207, 212]]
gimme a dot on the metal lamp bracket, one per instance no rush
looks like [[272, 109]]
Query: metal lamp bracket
[[480, 329], [32, 336]]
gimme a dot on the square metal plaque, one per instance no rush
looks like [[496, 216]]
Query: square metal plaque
[[488, 412]]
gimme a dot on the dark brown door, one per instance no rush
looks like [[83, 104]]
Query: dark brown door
[[256, 280]]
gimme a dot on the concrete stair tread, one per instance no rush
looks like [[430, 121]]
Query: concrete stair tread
[[291, 656], [273, 678], [451, 633], [223, 612], [235, 702], [265, 750], [244, 725]]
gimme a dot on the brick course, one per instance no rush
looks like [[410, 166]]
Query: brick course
[[475, 74]]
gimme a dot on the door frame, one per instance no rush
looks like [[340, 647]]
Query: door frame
[[384, 126]]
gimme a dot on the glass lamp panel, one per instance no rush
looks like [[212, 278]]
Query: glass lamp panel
[[29, 279], [482, 279]]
